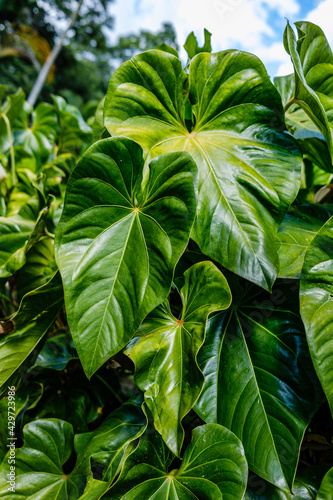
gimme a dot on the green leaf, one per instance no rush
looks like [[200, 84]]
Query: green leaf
[[98, 127], [56, 352], [315, 151], [166, 48], [94, 489], [24, 399], [305, 486], [316, 304], [11, 108], [74, 131], [39, 267], [213, 467], [35, 316], [296, 232], [297, 121], [191, 45], [107, 445], [326, 488], [18, 235], [37, 138], [260, 382], [165, 351], [312, 58], [118, 241], [249, 167], [39, 464]]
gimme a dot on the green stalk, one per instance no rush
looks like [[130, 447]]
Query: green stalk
[[289, 103], [11, 146]]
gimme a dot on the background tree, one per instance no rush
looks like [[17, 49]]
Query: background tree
[[30, 29]]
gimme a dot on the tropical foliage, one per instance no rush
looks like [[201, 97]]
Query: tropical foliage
[[166, 279]]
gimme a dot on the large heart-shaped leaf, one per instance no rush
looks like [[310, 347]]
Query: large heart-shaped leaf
[[39, 464], [165, 351], [316, 305], [37, 312], [213, 467], [260, 382], [249, 167], [312, 58], [118, 241], [300, 225]]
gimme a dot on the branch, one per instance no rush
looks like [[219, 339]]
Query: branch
[[51, 58]]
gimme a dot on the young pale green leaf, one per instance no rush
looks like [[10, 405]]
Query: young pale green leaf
[[107, 445], [260, 382], [249, 167], [118, 241], [296, 232], [39, 464], [165, 351], [37, 312], [316, 304], [213, 467], [312, 58], [191, 45], [326, 488]]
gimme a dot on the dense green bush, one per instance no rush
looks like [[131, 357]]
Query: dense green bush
[[166, 282]]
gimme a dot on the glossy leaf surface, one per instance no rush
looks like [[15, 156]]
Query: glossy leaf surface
[[37, 312], [312, 58], [305, 487], [118, 241], [165, 351], [249, 168], [260, 382], [316, 305], [213, 467], [107, 444], [296, 232], [39, 464]]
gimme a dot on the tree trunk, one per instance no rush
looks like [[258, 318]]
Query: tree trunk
[[51, 58]]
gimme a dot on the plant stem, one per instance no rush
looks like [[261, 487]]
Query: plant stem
[[11, 146], [290, 103]]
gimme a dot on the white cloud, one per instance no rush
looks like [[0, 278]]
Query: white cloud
[[322, 15], [243, 24]]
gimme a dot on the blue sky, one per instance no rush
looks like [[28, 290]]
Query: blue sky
[[253, 25]]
